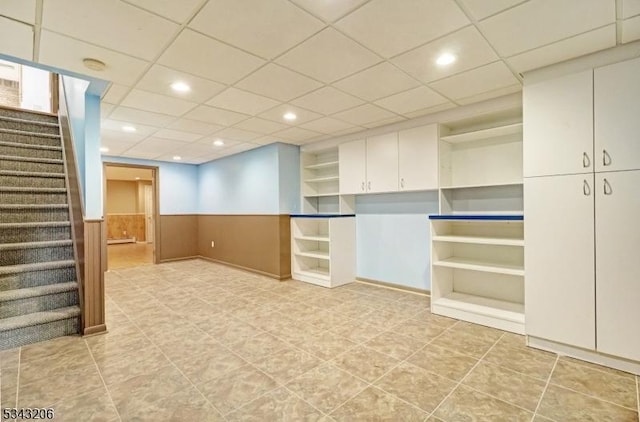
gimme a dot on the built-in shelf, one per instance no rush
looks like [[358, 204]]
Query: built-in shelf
[[508, 311], [484, 185], [321, 195], [313, 238], [485, 216], [477, 265], [319, 273], [322, 179], [314, 254], [319, 166], [479, 240], [478, 135]]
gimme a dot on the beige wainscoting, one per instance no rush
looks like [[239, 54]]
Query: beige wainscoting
[[93, 303], [178, 237], [126, 226]]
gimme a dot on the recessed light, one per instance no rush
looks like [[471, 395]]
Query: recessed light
[[137, 178], [180, 87], [445, 59], [177, 157], [94, 64], [290, 116], [218, 142], [104, 149], [129, 129]]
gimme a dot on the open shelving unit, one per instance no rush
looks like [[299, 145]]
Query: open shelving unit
[[323, 249], [320, 184]]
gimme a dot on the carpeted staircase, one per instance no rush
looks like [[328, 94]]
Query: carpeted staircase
[[38, 287]]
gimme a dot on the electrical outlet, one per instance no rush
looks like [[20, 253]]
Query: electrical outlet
[[213, 244]]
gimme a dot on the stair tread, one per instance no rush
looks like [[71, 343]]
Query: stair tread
[[28, 292], [32, 206], [38, 318], [31, 159], [35, 224], [28, 121], [29, 146], [31, 190], [37, 266], [35, 245], [28, 133], [31, 173]]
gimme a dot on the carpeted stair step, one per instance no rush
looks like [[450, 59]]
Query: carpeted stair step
[[39, 326], [34, 252], [40, 274], [28, 125], [28, 115], [38, 231], [29, 150], [29, 213], [11, 178], [38, 299], [20, 195], [45, 165], [22, 137]]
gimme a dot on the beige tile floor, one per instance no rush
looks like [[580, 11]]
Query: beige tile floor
[[127, 255], [196, 341]]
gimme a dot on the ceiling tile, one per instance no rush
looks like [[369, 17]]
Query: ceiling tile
[[384, 122], [16, 39], [68, 53], [265, 28], [348, 131], [276, 114], [364, 114], [117, 125], [215, 116], [108, 136], [22, 10], [236, 134], [327, 100], [185, 159], [241, 148], [511, 89], [200, 55], [467, 45], [194, 126], [390, 27], [327, 125], [112, 24], [106, 109], [256, 124], [430, 110], [159, 78], [377, 82], [157, 103], [296, 134], [541, 22], [266, 140], [115, 147], [143, 117], [156, 145], [145, 155], [279, 83], [473, 82], [412, 100], [631, 29], [328, 56], [569, 48], [630, 8], [242, 101], [329, 10], [480, 9], [177, 11], [177, 135], [198, 149], [116, 93]]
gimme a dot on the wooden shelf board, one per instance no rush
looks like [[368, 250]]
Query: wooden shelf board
[[476, 265], [315, 238], [314, 254], [322, 179], [483, 134], [324, 165], [500, 309], [477, 240], [320, 195], [321, 273], [484, 185]]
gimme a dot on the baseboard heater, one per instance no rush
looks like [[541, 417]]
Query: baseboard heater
[[118, 241]]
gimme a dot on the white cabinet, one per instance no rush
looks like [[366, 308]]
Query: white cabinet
[[558, 125], [352, 166], [418, 158], [382, 163], [560, 281], [618, 263], [617, 116]]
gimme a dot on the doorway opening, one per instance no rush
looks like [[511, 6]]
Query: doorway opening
[[131, 215]]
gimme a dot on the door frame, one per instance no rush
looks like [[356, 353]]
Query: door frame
[[155, 183]]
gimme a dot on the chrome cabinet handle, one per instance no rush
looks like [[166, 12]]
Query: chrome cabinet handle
[[368, 185], [606, 158], [586, 162], [402, 183], [586, 190], [607, 187], [362, 186]]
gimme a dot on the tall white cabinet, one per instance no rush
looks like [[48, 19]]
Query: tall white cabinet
[[582, 184]]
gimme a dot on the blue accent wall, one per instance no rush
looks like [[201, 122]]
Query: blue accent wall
[[92, 179], [289, 165]]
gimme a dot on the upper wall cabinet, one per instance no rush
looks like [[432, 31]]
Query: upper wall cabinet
[[418, 158], [382, 163], [558, 125], [352, 166], [617, 116]]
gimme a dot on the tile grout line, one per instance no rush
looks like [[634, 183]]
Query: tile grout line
[[593, 397], [555, 363], [102, 379]]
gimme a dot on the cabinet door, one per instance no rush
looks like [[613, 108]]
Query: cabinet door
[[382, 163], [617, 112], [352, 167], [558, 126], [617, 263], [418, 158], [559, 259]]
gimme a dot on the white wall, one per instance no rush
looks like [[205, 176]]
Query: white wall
[[36, 89]]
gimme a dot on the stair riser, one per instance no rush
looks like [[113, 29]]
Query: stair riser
[[36, 333], [25, 115], [35, 255], [29, 127], [32, 182], [38, 234], [30, 152], [30, 166], [32, 216], [37, 278], [38, 304], [30, 140], [32, 198]]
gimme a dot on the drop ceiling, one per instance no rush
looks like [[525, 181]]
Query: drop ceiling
[[342, 66]]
